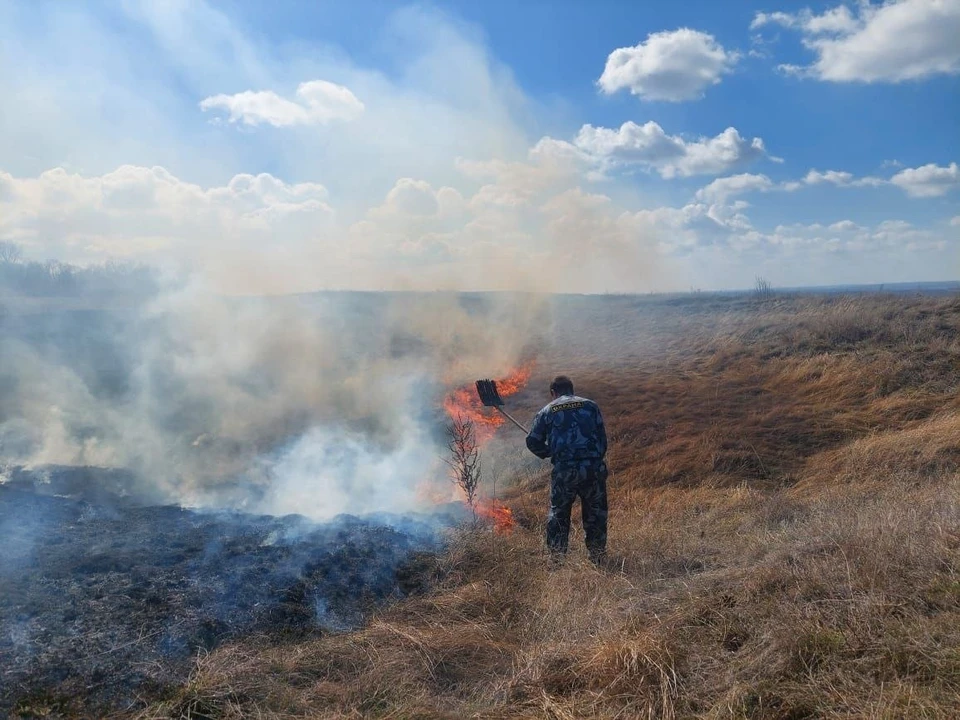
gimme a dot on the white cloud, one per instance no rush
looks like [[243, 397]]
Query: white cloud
[[929, 180], [896, 41], [706, 222], [649, 146], [550, 163], [838, 178], [715, 220], [148, 212], [412, 197], [890, 238], [955, 221], [671, 66], [899, 233], [320, 102], [507, 232], [778, 18], [837, 20], [843, 225], [869, 181], [815, 177], [723, 188], [257, 233], [419, 236]]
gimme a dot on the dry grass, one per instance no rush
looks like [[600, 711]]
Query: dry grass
[[785, 537]]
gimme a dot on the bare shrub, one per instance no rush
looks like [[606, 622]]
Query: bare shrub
[[10, 253], [762, 288], [464, 460]]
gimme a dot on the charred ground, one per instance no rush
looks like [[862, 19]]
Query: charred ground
[[106, 601]]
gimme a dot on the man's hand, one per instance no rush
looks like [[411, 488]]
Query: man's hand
[[538, 447]]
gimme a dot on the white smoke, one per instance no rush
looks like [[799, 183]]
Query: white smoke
[[317, 405], [328, 471]]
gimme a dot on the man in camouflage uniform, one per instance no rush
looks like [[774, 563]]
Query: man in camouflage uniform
[[570, 432]]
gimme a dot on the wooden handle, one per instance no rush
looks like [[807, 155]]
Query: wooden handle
[[510, 418]]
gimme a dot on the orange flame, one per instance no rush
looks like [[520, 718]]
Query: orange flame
[[465, 403], [498, 513]]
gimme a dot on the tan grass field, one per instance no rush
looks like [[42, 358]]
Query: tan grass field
[[784, 539]]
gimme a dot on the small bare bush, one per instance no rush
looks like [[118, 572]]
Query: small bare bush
[[762, 288], [464, 460], [10, 252]]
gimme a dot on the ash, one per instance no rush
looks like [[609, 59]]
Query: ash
[[110, 601]]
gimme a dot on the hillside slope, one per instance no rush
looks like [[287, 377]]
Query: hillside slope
[[784, 536]]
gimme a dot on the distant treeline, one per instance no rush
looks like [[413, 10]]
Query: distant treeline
[[58, 279]]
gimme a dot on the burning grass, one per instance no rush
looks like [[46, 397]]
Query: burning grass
[[463, 403], [785, 542]]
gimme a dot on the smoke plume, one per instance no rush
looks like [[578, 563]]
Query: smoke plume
[[316, 404]]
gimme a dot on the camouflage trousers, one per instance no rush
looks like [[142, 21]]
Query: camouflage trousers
[[588, 481]]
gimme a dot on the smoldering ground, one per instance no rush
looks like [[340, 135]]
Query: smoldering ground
[[109, 602]]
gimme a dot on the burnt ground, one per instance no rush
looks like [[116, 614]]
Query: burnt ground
[[109, 601]]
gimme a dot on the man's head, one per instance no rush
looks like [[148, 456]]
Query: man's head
[[561, 385]]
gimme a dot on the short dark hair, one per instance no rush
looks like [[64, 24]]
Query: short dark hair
[[562, 385]]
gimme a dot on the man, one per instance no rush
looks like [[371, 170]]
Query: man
[[570, 432]]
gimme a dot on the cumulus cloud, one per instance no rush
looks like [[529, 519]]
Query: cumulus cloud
[[893, 42], [844, 225], [837, 20], [550, 163], [727, 187], [140, 212], [840, 179], [672, 66], [929, 180], [649, 146], [708, 221], [412, 197], [897, 238], [716, 222], [525, 217], [260, 234], [318, 103], [144, 192], [834, 177]]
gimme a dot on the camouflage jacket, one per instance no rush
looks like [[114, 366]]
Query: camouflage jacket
[[569, 429]]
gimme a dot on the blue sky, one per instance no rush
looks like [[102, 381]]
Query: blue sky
[[565, 146]]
